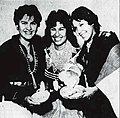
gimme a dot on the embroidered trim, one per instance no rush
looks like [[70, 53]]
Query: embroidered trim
[[51, 75], [58, 60]]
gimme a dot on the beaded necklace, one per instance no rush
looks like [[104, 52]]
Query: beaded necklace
[[28, 63]]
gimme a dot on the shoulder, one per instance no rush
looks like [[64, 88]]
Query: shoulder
[[106, 35], [10, 42], [109, 38]]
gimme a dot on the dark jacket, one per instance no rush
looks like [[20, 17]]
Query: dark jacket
[[14, 68], [97, 55], [98, 106]]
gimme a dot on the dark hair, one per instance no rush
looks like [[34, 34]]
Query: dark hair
[[83, 13], [63, 17], [30, 10]]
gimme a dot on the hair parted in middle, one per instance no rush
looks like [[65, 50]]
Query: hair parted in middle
[[62, 17]]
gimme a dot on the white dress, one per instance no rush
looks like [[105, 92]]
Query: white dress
[[56, 60]]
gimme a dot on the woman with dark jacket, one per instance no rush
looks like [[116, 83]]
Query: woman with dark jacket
[[22, 61], [95, 50]]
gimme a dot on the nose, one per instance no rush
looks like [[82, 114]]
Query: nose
[[78, 30], [29, 26], [57, 33]]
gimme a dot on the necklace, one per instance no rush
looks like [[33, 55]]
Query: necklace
[[29, 59]]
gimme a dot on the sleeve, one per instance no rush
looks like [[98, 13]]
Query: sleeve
[[111, 64], [110, 87], [3, 69], [110, 39], [106, 41]]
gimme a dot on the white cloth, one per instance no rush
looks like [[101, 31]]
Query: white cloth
[[110, 87], [59, 111], [8, 109]]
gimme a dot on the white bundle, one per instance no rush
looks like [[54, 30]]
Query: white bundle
[[41, 94], [70, 76]]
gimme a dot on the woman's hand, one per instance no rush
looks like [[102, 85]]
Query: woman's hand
[[31, 101], [89, 92]]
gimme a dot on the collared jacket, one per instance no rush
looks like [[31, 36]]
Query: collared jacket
[[14, 69]]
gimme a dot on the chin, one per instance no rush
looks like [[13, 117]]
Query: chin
[[85, 39], [58, 44], [28, 37]]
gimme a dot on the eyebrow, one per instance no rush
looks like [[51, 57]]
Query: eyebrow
[[62, 27]]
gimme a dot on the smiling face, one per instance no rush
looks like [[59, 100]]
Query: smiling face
[[27, 27], [58, 34], [83, 29]]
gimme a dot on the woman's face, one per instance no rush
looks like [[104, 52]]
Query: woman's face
[[58, 34], [27, 27], [83, 29]]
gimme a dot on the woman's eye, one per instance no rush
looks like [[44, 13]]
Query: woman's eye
[[81, 25], [33, 23], [24, 23], [74, 28], [53, 29], [61, 29]]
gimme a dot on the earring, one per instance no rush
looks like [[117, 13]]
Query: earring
[[17, 27]]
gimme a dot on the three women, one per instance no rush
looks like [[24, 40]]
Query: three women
[[23, 62]]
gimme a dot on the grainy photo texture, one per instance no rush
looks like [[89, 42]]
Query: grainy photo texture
[[59, 59]]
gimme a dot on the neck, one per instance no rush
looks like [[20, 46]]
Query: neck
[[91, 38], [60, 47], [24, 42]]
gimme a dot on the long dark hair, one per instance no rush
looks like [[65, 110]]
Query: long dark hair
[[62, 17]]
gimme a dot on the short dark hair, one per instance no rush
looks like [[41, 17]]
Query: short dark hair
[[83, 13], [62, 17], [30, 10]]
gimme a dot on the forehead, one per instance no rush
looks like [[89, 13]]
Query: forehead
[[27, 18], [76, 22], [58, 24]]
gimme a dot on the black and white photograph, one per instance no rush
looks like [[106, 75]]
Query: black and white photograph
[[59, 58]]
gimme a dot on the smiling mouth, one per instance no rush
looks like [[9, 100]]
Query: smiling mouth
[[82, 34], [28, 32], [57, 39]]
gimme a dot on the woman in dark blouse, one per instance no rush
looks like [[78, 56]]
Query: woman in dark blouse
[[93, 55]]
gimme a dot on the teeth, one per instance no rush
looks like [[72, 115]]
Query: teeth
[[28, 32], [82, 33], [57, 39]]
